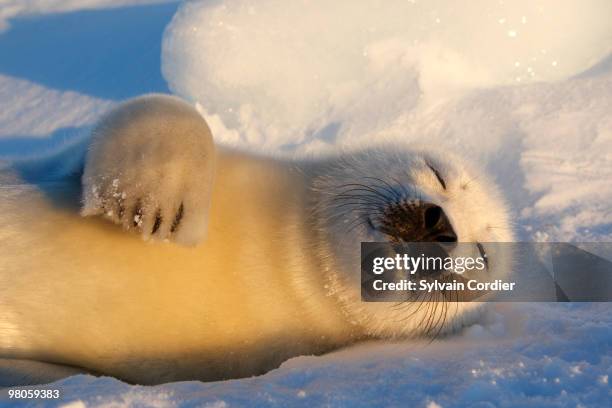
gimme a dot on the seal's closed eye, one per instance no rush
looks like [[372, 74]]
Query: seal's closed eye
[[437, 174]]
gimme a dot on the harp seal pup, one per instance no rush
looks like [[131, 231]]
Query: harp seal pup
[[267, 261]]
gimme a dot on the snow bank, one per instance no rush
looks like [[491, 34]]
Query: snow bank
[[283, 73], [15, 8]]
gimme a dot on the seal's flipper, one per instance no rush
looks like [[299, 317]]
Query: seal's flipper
[[150, 168]]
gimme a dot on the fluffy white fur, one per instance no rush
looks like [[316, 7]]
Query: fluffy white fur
[[146, 159], [276, 276]]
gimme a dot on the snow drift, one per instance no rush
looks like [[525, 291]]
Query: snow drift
[[284, 73]]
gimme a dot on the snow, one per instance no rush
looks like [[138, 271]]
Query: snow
[[544, 355], [16, 8], [279, 73], [348, 74], [30, 113]]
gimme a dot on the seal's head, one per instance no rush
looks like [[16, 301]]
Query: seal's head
[[399, 195]]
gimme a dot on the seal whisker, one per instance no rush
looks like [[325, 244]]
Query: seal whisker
[[402, 187], [358, 205], [366, 187], [387, 187], [364, 198]]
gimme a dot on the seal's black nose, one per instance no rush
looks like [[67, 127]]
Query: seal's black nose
[[436, 224], [418, 222]]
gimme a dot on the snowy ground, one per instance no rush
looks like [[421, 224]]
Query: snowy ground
[[527, 356], [548, 144]]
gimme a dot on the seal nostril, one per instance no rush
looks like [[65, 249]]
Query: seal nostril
[[432, 216]]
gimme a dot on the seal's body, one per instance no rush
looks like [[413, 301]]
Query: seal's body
[[271, 270]]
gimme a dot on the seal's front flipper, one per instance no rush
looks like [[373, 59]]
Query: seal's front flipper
[[150, 168]]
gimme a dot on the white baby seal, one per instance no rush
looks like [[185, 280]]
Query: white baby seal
[[272, 262]]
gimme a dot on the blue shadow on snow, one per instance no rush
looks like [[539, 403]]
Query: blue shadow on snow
[[109, 53]]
